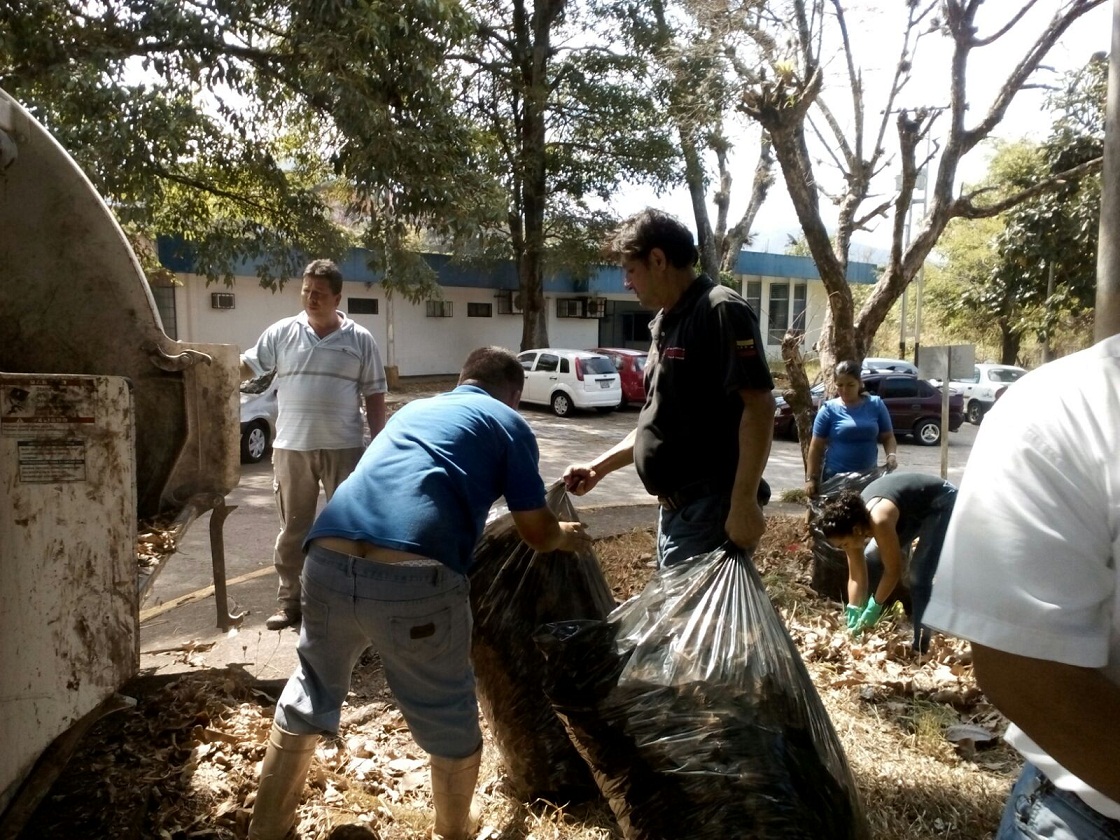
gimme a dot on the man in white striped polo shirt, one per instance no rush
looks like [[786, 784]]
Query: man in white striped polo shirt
[[325, 364]]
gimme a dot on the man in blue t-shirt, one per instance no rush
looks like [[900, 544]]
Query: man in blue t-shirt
[[386, 567]]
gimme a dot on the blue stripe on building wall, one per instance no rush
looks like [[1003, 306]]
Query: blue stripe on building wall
[[177, 256]]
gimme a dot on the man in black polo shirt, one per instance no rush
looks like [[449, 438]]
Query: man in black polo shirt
[[704, 434]]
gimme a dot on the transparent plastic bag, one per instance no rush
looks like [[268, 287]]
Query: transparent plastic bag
[[514, 591], [695, 712]]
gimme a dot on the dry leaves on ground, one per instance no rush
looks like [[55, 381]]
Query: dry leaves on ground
[[919, 736]]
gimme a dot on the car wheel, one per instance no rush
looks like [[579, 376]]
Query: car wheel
[[254, 442], [561, 404], [927, 432], [975, 413]]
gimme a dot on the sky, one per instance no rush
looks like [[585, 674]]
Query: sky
[[875, 26]]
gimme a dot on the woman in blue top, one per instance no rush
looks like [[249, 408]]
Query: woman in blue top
[[848, 430]]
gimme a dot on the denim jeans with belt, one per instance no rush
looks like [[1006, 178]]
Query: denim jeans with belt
[[1036, 809], [692, 529], [417, 618]]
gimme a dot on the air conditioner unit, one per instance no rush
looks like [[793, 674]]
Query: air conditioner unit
[[221, 300], [595, 308]]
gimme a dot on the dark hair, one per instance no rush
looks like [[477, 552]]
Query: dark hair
[[494, 369], [840, 516], [848, 367], [326, 270], [649, 229]]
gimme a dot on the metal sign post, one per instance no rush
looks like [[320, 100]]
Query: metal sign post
[[945, 363]]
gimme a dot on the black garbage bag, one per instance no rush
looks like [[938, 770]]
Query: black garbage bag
[[695, 712], [830, 565], [514, 591]]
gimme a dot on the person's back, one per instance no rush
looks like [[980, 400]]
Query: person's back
[[425, 484], [1031, 576]]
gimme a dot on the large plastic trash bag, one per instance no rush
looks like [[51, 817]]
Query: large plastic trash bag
[[695, 712], [514, 591], [830, 565]]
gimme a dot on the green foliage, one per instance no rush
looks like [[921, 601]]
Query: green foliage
[[993, 290]]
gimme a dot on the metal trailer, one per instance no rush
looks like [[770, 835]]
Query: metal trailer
[[104, 422]]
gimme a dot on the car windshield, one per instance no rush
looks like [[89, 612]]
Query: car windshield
[[597, 364], [1005, 374]]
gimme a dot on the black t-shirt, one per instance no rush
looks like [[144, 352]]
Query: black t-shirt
[[705, 350], [914, 494]]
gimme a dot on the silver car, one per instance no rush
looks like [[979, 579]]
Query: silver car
[[258, 417]]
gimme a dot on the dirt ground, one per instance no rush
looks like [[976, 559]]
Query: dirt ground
[[920, 737]]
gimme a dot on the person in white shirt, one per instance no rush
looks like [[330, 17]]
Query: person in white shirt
[[1030, 574], [325, 364]]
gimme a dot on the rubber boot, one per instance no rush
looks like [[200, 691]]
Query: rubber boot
[[283, 774], [453, 783]]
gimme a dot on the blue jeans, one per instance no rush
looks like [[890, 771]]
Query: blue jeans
[[696, 528], [1036, 809], [417, 618]]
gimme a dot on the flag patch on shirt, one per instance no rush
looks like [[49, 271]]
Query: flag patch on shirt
[[745, 348], [673, 353]]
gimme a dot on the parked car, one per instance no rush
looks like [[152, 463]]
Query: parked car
[[567, 379], [981, 390], [631, 367], [258, 417], [879, 365], [914, 406]]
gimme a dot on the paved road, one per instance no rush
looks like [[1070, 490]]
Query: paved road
[[583, 436], [251, 529]]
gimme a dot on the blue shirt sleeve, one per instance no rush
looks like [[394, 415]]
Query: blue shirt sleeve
[[822, 424], [885, 424]]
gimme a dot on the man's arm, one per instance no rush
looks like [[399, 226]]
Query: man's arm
[[884, 518], [375, 413], [246, 371], [544, 532], [581, 478], [746, 522], [1070, 712]]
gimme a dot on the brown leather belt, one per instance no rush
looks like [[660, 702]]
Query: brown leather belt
[[365, 550]]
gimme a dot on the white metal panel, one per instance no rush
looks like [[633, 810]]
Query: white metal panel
[[69, 628]]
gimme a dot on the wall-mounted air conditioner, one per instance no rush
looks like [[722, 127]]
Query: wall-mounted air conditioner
[[221, 300]]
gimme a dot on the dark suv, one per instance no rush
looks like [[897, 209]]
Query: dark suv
[[913, 403]]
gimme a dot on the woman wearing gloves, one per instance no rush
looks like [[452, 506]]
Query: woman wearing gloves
[[892, 512], [848, 430]]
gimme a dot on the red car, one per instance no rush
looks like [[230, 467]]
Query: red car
[[631, 367]]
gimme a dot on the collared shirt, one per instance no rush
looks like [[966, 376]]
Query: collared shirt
[[705, 350], [319, 381]]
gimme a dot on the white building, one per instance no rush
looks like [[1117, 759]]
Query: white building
[[481, 307]]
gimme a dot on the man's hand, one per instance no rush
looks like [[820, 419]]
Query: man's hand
[[745, 524], [580, 479], [574, 537]]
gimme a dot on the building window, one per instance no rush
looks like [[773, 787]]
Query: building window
[[752, 291], [570, 307], [165, 304], [635, 327], [480, 310], [361, 306], [783, 315], [439, 309]]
